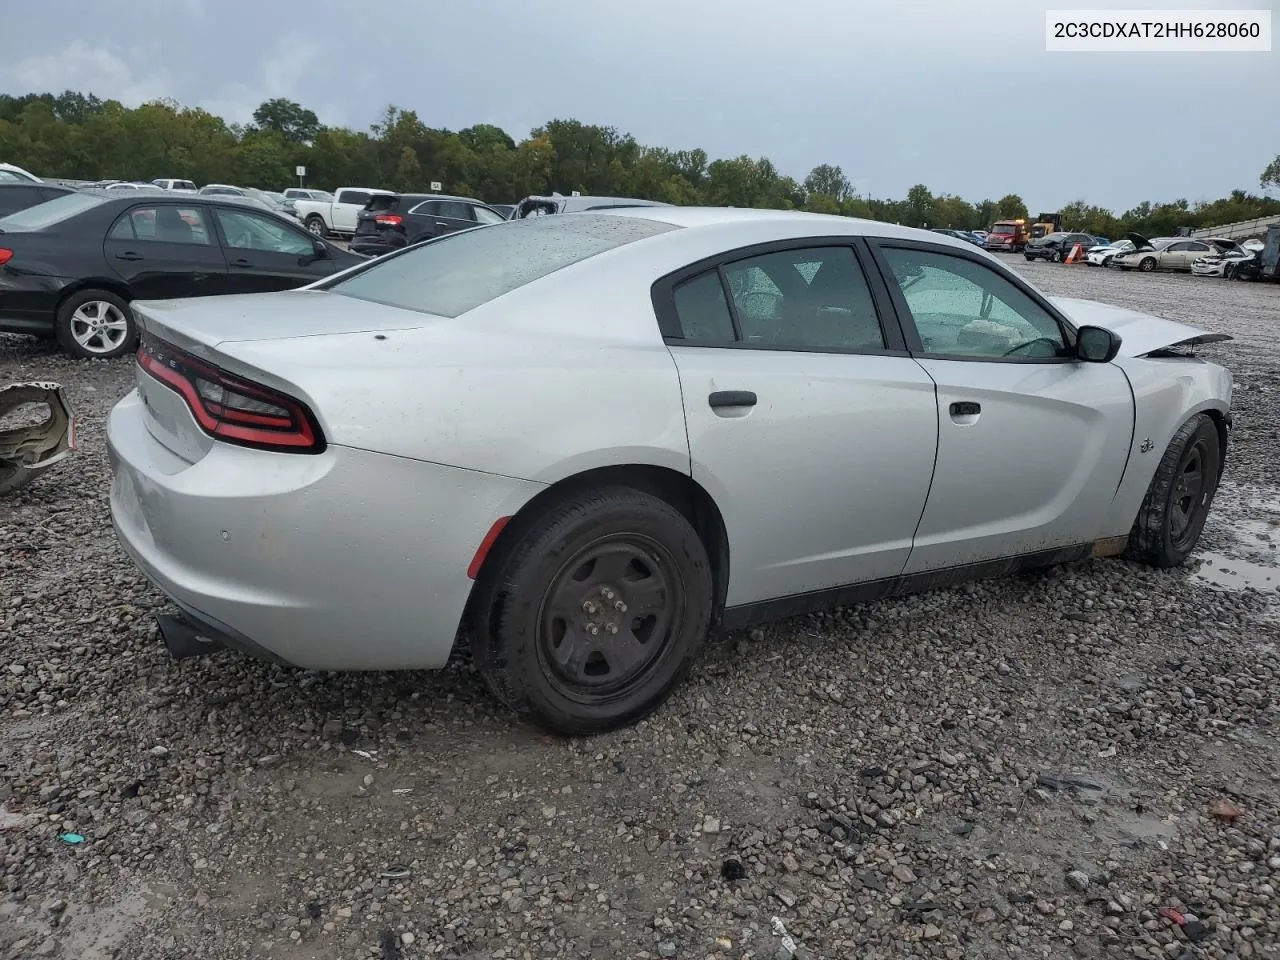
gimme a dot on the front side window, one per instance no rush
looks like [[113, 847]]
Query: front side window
[[810, 298], [162, 224], [966, 310], [248, 231]]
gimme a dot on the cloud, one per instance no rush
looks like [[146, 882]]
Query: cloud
[[89, 69], [283, 73], [111, 75]]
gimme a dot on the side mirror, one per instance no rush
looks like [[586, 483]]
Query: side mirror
[[1096, 345], [320, 249]]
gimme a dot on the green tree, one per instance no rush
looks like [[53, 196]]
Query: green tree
[[829, 181], [294, 122], [408, 175], [1271, 175], [919, 209], [1011, 207]]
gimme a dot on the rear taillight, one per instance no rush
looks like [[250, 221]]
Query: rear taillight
[[231, 408], [5, 256], [390, 219]]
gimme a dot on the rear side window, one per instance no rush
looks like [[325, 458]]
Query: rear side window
[[460, 271], [50, 212], [18, 198], [453, 210], [360, 197], [703, 310], [382, 201]]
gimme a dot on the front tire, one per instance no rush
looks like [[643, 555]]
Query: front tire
[[591, 618], [95, 325], [1147, 264], [1174, 511]]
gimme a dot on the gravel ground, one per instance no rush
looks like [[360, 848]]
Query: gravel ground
[[1068, 753]]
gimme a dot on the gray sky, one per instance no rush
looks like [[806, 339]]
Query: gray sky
[[957, 94]]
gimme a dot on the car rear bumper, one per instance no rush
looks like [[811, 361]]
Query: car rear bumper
[[346, 560]]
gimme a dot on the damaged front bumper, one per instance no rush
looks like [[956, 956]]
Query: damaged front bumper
[[27, 449]]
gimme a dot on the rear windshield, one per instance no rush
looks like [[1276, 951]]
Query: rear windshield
[[50, 212], [461, 271]]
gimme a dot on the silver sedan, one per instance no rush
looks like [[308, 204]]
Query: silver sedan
[[580, 443]]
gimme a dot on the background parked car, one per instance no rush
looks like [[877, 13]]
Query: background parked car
[[69, 267], [1222, 260], [1056, 246], [390, 221], [964, 235], [556, 203], [181, 186], [336, 217], [10, 173], [1102, 254], [1163, 253], [16, 195], [306, 193]]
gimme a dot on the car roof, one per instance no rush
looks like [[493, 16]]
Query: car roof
[[423, 197], [786, 223]]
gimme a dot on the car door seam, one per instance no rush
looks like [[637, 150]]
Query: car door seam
[[933, 476], [1133, 430]]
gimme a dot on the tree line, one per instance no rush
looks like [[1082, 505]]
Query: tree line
[[79, 136]]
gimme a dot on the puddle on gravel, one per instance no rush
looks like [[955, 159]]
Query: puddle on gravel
[[1252, 558]]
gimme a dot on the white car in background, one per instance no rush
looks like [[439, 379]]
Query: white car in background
[[1222, 260], [181, 186], [1101, 256], [11, 173]]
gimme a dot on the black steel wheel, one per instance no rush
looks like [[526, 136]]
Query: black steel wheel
[[1173, 513], [592, 612]]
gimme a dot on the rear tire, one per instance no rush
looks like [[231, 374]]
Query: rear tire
[[315, 226], [620, 562], [96, 325], [1177, 503]]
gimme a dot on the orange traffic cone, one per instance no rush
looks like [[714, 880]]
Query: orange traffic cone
[[1076, 255]]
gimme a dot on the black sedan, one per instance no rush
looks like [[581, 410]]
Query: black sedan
[[390, 221], [70, 267], [1056, 246]]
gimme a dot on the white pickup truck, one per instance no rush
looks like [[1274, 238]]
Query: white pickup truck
[[338, 216]]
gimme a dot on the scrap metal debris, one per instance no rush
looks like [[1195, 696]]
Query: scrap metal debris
[[28, 448]]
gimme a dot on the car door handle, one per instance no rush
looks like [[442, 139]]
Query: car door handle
[[441, 223], [965, 409], [128, 255], [242, 262], [731, 398]]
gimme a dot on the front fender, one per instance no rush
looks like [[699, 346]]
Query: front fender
[[1167, 391]]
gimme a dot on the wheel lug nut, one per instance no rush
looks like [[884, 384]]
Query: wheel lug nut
[[620, 607], [607, 593], [592, 629], [612, 628], [589, 607]]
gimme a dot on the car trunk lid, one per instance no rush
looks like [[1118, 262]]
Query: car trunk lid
[[199, 324]]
